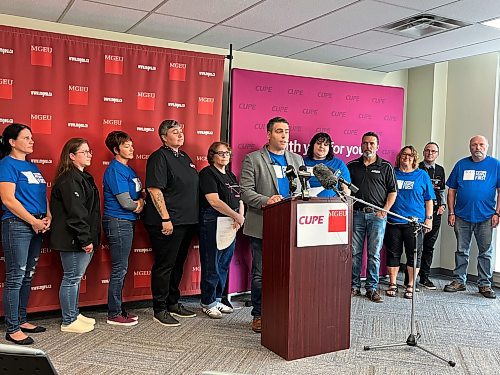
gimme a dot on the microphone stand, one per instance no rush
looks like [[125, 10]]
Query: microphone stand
[[417, 228]]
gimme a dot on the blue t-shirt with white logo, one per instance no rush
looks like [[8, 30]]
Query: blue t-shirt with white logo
[[31, 188], [278, 162], [336, 165], [118, 179], [414, 188], [476, 184]]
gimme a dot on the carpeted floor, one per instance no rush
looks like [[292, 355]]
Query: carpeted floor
[[463, 327]]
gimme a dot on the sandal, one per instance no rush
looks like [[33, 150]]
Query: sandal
[[392, 291], [408, 292]]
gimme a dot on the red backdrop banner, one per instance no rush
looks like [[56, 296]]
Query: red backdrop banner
[[65, 86]]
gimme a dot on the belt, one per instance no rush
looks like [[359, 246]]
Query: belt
[[366, 210], [39, 216]]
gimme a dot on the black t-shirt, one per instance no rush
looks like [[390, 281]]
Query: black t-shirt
[[176, 176], [224, 184], [374, 181]]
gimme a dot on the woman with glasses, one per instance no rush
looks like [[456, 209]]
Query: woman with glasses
[[25, 219], [219, 198], [414, 200], [122, 205], [320, 151], [76, 228]]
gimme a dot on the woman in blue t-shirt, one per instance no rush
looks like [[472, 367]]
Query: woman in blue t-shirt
[[23, 192], [320, 151], [414, 200], [122, 205]]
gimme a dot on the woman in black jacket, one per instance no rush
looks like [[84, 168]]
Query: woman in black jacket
[[76, 228]]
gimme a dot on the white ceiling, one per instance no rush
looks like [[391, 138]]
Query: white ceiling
[[339, 32]]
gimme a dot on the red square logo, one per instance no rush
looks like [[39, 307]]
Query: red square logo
[[109, 125], [6, 86], [337, 221], [142, 279], [113, 64], [41, 124], [78, 95], [146, 101], [205, 106], [41, 56], [177, 72]]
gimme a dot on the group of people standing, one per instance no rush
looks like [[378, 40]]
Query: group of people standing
[[181, 202]]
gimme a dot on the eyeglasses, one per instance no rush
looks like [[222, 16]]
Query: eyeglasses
[[223, 153], [406, 155], [431, 151], [86, 152]]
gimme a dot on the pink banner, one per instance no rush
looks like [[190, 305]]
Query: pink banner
[[345, 110]]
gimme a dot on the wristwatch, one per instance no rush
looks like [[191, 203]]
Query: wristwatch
[[429, 217]]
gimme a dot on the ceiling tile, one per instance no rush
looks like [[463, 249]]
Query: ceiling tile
[[207, 10], [168, 27], [134, 4], [419, 4], [274, 16], [476, 49], [280, 46], [470, 10], [407, 64], [370, 60], [222, 36], [356, 18], [373, 40], [96, 15], [448, 40], [50, 11], [327, 53]]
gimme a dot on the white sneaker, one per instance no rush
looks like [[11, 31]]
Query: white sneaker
[[85, 319], [223, 308], [213, 312], [78, 326]]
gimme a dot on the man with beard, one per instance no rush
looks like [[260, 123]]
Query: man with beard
[[474, 183], [377, 185]]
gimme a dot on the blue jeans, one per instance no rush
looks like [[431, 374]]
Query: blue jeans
[[120, 233], [372, 227], [214, 263], [74, 265], [256, 244], [483, 233], [21, 248]]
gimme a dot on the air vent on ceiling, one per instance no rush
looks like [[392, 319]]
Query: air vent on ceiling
[[422, 25]]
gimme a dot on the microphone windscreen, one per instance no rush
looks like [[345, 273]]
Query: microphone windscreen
[[325, 176], [290, 171]]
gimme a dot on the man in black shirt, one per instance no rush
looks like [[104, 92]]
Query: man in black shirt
[[436, 173], [376, 181], [170, 217]]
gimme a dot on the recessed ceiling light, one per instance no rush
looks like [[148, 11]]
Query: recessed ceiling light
[[493, 23]]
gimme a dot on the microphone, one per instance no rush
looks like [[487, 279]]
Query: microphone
[[354, 189], [304, 176], [325, 177], [291, 175]]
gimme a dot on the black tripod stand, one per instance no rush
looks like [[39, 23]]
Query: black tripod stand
[[414, 336]]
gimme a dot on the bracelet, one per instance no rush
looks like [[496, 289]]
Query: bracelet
[[451, 214], [166, 220]]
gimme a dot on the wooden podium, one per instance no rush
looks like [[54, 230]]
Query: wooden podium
[[306, 291]]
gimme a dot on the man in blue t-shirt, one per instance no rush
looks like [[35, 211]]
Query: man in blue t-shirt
[[263, 181], [474, 183]]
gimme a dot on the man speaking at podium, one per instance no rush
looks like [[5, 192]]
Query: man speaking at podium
[[263, 181]]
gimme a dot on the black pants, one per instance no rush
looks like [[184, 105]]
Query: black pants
[[395, 237], [428, 247], [170, 253]]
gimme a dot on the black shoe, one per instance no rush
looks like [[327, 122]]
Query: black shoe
[[37, 329], [166, 319], [180, 311], [27, 341], [426, 283]]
